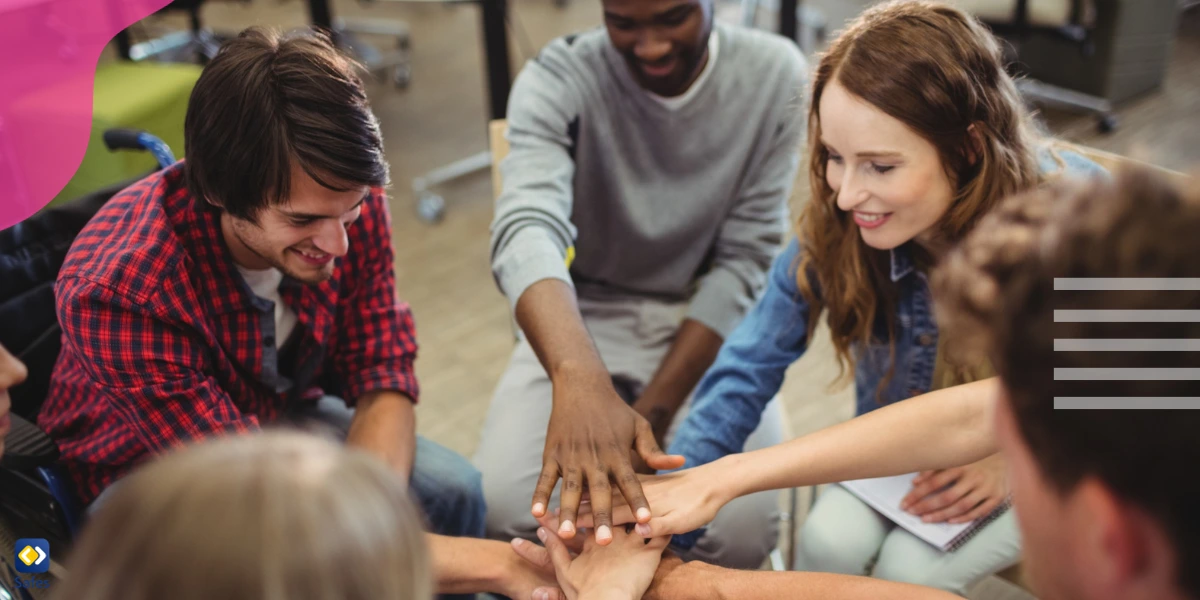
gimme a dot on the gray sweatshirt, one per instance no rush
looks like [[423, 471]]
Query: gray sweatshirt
[[678, 204]]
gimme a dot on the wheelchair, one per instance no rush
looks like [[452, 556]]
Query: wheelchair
[[35, 500]]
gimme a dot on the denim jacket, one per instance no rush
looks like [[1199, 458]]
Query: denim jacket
[[750, 366]]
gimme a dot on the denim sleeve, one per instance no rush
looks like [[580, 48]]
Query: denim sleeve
[[748, 371]]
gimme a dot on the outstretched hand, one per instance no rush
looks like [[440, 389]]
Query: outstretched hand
[[588, 443], [682, 502], [621, 570]]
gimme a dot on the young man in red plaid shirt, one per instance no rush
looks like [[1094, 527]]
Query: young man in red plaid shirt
[[252, 285]]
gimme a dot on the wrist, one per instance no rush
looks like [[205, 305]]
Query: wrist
[[692, 580], [498, 569], [730, 471], [656, 412], [607, 592], [574, 371]]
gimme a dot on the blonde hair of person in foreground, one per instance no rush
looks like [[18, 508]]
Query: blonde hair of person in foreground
[[275, 516]]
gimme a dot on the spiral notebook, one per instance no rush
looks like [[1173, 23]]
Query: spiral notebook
[[884, 495]]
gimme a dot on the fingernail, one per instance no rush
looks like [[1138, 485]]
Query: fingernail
[[643, 529], [542, 533], [557, 511], [643, 514], [541, 595], [566, 527], [516, 542], [539, 509], [603, 533]]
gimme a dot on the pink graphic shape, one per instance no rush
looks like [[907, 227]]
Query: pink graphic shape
[[48, 55]]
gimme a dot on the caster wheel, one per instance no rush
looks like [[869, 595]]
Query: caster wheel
[[402, 43], [1107, 123], [431, 207], [560, 3], [401, 76]]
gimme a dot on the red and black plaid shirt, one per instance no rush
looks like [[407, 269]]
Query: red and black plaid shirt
[[163, 341]]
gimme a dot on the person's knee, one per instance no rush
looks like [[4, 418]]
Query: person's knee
[[509, 504], [463, 488], [913, 561], [451, 492], [891, 568], [829, 546], [928, 573], [744, 548], [742, 535]]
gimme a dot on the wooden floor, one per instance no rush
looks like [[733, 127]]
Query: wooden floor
[[442, 270]]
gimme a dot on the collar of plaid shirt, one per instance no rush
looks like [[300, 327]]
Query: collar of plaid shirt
[[237, 312]]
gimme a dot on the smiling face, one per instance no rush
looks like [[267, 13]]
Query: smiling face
[[301, 236], [886, 175], [665, 42]]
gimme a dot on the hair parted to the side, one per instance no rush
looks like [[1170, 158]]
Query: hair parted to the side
[[270, 516], [997, 293], [940, 72], [270, 102]]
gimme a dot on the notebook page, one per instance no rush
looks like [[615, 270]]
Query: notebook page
[[884, 495]]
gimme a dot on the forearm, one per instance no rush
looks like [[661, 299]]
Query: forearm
[[384, 424], [691, 354], [945, 428], [605, 594], [471, 566], [549, 315], [707, 582]]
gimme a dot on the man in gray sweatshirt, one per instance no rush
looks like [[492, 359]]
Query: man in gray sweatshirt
[[645, 195]]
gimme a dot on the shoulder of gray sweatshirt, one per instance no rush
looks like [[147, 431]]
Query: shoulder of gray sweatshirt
[[686, 204]]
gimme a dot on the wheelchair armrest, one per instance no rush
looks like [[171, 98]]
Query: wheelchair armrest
[[27, 447]]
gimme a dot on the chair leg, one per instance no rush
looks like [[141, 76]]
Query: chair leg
[[1044, 93], [393, 63], [793, 526], [432, 207]]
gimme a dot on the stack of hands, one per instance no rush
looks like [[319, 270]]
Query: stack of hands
[[614, 522], [628, 561], [624, 568]]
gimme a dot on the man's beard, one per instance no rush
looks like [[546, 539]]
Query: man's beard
[[691, 60], [279, 263]]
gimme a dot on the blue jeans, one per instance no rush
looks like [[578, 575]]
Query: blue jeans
[[449, 490]]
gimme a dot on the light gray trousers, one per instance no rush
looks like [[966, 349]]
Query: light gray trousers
[[633, 337], [844, 535]]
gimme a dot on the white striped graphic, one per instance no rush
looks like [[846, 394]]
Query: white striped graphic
[[1108, 284], [1126, 402], [1135, 345]]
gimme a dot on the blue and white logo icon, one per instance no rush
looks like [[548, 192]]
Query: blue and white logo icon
[[32, 555]]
